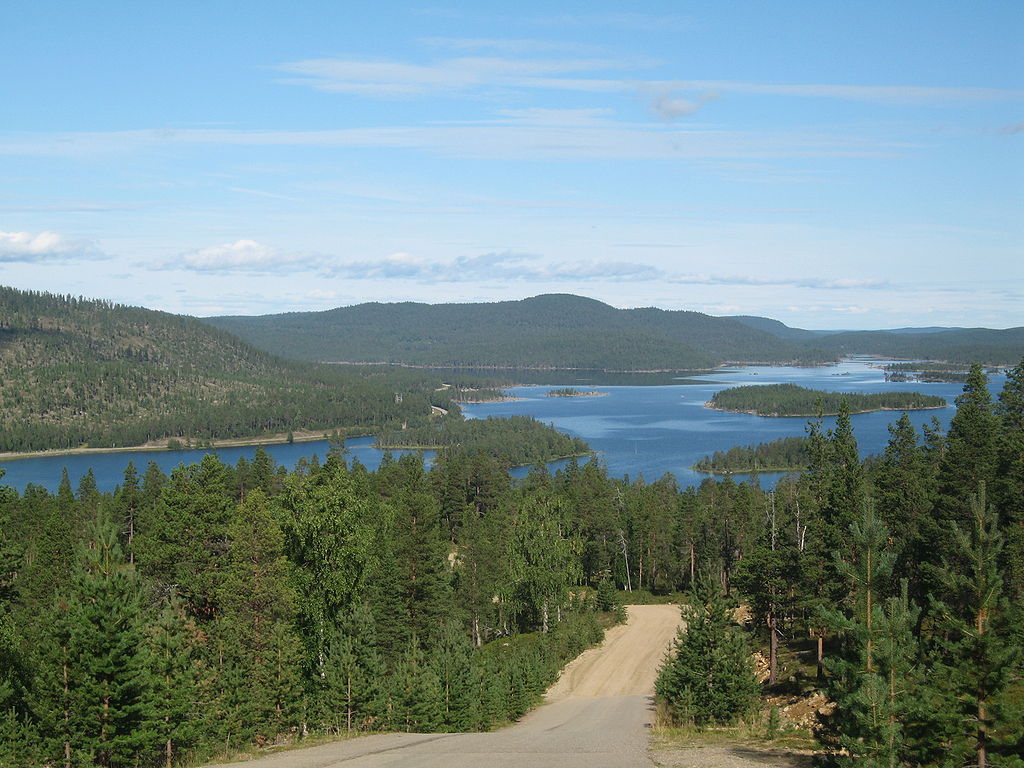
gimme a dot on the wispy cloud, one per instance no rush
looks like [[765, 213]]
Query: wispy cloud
[[521, 267], [538, 135], [393, 79], [508, 46], [243, 256], [515, 68], [505, 266], [45, 246]]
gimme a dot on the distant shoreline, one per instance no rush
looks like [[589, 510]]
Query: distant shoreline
[[709, 406], [160, 446]]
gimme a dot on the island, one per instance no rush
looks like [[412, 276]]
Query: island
[[787, 454], [793, 400], [514, 440], [573, 392]]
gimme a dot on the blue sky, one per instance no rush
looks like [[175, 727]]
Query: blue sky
[[828, 164]]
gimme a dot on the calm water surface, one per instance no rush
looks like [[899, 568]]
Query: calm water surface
[[636, 430]]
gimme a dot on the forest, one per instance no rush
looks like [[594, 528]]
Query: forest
[[515, 441], [563, 331], [77, 372], [783, 455], [794, 400], [552, 331], [189, 617]]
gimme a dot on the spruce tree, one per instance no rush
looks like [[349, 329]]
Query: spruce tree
[[708, 676]]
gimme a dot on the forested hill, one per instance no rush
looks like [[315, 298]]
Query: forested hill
[[960, 346], [76, 371], [555, 330]]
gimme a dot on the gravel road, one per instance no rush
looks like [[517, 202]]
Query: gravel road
[[597, 716]]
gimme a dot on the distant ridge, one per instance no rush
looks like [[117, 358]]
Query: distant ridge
[[551, 330], [568, 331]]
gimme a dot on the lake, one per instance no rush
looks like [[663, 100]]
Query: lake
[[635, 430]]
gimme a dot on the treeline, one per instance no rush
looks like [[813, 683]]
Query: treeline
[[783, 455], [186, 617], [222, 608], [794, 400], [895, 586], [77, 372], [513, 441], [554, 331]]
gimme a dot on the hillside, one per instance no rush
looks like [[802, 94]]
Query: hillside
[[76, 371], [555, 330], [960, 346]]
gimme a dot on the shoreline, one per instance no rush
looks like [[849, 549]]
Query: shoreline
[[160, 446]]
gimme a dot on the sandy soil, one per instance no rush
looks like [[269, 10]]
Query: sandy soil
[[598, 715], [626, 663]]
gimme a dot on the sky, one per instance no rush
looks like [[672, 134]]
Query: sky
[[828, 164]]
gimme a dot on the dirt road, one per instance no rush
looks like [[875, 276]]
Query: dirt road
[[597, 716]]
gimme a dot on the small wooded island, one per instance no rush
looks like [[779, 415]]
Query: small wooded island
[[573, 392], [514, 441], [793, 400], [787, 454]]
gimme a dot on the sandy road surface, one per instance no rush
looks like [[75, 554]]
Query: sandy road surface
[[597, 716]]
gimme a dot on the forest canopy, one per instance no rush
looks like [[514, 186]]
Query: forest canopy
[[794, 400]]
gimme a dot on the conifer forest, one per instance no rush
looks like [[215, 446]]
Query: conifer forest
[[190, 617]]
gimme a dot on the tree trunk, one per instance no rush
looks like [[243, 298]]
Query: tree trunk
[[773, 649]]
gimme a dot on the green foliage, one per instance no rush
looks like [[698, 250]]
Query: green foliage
[[708, 677], [560, 331], [782, 455], [76, 371], [515, 440], [794, 400]]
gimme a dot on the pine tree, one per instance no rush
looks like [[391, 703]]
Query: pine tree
[[451, 660], [978, 653], [905, 490], [97, 669], [175, 685], [1008, 493], [865, 726], [254, 633], [414, 694], [971, 448], [349, 692], [708, 677]]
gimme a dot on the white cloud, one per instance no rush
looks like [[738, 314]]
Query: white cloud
[[25, 246], [509, 266], [242, 256]]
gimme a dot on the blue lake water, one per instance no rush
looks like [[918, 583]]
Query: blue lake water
[[636, 430]]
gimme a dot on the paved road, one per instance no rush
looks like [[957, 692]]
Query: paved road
[[597, 716]]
